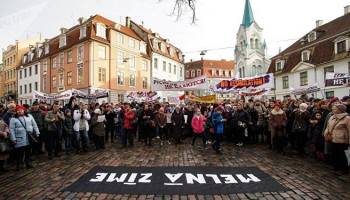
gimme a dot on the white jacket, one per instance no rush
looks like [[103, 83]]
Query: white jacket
[[77, 117]]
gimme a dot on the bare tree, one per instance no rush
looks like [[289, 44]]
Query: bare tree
[[181, 6]]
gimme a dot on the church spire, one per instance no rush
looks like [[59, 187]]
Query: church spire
[[248, 17]]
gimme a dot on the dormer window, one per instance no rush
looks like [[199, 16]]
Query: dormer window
[[341, 45], [305, 56], [46, 48], [82, 32], [62, 41], [312, 36], [101, 30], [279, 65], [24, 58], [155, 44], [143, 47]]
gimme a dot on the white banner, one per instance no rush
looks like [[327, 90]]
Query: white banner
[[301, 91], [199, 83], [60, 96]]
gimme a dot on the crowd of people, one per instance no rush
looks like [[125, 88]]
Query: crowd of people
[[306, 126]]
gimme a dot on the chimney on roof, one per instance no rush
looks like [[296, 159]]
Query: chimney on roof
[[63, 30], [319, 23], [127, 22], [347, 10], [81, 20]]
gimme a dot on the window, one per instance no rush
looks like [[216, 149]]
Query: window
[[303, 79], [120, 38], [30, 88], [20, 89], [120, 78], [61, 59], [144, 82], [305, 56], [341, 46], [101, 74], [62, 41], [30, 71], [46, 48], [25, 89], [44, 83], [80, 54], [164, 66], [144, 65], [312, 36], [61, 80], [120, 98], [143, 48], [285, 82], [45, 67], [187, 74], [80, 74], [329, 94], [102, 52], [193, 73], [169, 67], [131, 43], [199, 72], [132, 62], [132, 80], [155, 63], [101, 30], [54, 83], [36, 69], [174, 69], [82, 32], [279, 65], [25, 73], [69, 56], [181, 72], [54, 64], [327, 69], [256, 43], [20, 74], [121, 57], [69, 78], [36, 86], [251, 43]]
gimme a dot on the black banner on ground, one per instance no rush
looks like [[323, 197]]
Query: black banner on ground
[[175, 180]]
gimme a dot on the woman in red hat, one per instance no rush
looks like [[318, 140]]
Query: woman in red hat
[[23, 131]]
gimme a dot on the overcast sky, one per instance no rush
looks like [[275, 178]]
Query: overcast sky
[[283, 21]]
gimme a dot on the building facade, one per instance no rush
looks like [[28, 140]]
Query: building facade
[[326, 48], [167, 62], [250, 49], [214, 70], [12, 58]]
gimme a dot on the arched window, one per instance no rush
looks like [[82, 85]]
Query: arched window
[[251, 43], [256, 43], [254, 70]]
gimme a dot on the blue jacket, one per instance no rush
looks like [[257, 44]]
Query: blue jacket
[[18, 133], [217, 122]]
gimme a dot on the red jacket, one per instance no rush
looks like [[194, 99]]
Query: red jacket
[[128, 118], [198, 124]]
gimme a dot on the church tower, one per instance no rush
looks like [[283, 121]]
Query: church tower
[[250, 46]]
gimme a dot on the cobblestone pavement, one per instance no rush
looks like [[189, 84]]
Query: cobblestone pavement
[[306, 178]]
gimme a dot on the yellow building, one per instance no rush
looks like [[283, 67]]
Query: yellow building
[[12, 58]]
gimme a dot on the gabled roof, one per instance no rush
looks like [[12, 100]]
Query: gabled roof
[[248, 17], [322, 49]]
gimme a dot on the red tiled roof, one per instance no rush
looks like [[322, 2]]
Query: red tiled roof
[[218, 64], [129, 32], [322, 49]]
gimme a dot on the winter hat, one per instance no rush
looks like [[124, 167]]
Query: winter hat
[[97, 111], [303, 106], [161, 109], [341, 107], [20, 107], [334, 99]]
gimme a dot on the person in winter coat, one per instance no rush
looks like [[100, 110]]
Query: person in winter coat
[[81, 126], [39, 118], [300, 127], [130, 122], [261, 123], [110, 126], [4, 137], [10, 113], [252, 125], [278, 122], [316, 136], [161, 121], [218, 123], [178, 121], [68, 134], [147, 124], [240, 120], [22, 128], [198, 126], [98, 129], [338, 133]]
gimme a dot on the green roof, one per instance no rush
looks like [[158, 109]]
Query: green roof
[[248, 17]]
